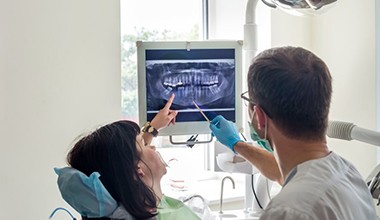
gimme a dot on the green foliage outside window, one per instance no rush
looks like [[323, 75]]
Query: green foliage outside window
[[129, 62]]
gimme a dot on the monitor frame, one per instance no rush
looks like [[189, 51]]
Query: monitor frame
[[193, 127]]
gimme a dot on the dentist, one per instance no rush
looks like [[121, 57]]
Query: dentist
[[289, 95]]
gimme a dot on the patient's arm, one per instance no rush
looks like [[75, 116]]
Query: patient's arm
[[164, 118]]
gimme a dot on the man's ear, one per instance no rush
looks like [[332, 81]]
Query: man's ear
[[260, 116], [251, 111]]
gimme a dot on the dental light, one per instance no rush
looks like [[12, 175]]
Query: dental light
[[301, 7]]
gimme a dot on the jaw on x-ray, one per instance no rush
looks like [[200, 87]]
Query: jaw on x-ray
[[210, 83]]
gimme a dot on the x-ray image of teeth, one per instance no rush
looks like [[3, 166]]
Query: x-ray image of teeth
[[208, 82]]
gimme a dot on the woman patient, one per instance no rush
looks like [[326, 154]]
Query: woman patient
[[130, 173]]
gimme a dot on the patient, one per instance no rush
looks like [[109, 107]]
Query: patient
[[130, 170]]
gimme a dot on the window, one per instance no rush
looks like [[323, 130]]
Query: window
[[146, 20], [149, 20]]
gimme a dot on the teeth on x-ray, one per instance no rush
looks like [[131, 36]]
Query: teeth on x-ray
[[203, 81], [178, 80], [168, 91], [214, 89], [194, 84]]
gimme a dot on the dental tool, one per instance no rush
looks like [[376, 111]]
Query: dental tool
[[200, 110]]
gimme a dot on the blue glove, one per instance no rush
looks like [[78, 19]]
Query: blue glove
[[225, 131]]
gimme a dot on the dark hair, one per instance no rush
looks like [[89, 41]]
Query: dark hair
[[111, 151], [293, 86]]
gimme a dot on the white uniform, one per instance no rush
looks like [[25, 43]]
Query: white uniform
[[327, 188]]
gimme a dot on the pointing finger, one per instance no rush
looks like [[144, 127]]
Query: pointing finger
[[170, 101]]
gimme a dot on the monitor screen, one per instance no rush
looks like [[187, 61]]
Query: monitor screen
[[205, 72]]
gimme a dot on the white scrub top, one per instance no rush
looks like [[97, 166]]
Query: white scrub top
[[327, 188]]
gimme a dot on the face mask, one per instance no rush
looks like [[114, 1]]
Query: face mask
[[262, 142]]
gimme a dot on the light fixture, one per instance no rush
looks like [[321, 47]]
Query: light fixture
[[301, 7]]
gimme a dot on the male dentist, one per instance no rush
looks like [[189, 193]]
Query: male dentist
[[289, 95]]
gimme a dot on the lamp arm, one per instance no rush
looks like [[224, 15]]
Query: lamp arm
[[250, 33], [269, 4], [250, 17]]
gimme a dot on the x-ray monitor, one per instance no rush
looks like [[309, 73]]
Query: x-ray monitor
[[206, 72]]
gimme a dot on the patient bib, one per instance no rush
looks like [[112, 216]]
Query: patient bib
[[173, 209]]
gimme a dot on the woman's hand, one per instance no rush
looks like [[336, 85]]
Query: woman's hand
[[165, 116]]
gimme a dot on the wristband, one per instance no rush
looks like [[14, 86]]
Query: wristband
[[150, 129]]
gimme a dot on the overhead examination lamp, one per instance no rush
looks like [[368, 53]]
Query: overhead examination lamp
[[301, 7], [294, 7]]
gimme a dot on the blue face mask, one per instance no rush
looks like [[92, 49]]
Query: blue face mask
[[262, 142]]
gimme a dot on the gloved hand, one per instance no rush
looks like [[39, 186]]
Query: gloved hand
[[225, 131]]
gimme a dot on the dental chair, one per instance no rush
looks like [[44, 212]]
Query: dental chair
[[88, 196]]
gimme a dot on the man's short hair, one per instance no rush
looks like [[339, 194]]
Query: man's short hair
[[293, 86]]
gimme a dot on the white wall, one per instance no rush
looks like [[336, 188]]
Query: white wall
[[59, 77], [290, 30], [345, 38]]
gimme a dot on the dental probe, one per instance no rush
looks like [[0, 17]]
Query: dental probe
[[200, 110]]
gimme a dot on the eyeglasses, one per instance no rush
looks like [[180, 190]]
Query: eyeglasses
[[247, 100]]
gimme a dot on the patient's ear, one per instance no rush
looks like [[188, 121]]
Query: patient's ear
[[140, 171]]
